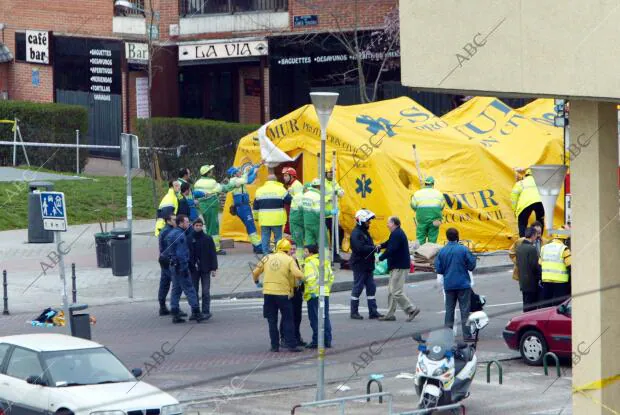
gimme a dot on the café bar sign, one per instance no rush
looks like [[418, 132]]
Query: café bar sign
[[219, 50], [38, 47]]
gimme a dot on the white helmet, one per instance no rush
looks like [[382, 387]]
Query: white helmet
[[478, 319], [363, 216]]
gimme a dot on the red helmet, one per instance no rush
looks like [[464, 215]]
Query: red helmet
[[290, 171]]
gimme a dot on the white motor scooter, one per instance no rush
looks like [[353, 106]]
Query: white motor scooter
[[445, 369]]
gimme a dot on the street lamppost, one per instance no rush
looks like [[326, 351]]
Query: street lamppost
[[324, 105]]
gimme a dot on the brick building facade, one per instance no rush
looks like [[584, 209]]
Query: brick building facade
[[210, 59]]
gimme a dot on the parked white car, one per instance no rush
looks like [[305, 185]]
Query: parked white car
[[64, 375]]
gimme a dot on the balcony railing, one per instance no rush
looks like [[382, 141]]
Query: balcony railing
[[188, 8], [125, 11]]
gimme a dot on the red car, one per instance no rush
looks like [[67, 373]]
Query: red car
[[540, 331]]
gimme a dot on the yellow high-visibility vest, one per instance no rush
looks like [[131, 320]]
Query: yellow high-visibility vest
[[524, 193], [311, 277], [552, 261], [427, 198], [329, 196], [269, 204], [170, 200]]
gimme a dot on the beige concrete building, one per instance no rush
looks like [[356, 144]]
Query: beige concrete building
[[559, 50]]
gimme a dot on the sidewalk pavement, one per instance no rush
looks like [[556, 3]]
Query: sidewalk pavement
[[548, 395], [34, 283]]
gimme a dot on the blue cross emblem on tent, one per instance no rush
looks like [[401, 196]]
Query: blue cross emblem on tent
[[363, 186]]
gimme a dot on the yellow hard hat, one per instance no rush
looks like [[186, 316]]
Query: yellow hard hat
[[206, 169], [283, 245]]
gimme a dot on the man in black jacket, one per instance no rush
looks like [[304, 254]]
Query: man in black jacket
[[363, 264], [203, 264], [529, 270], [399, 264], [183, 203]]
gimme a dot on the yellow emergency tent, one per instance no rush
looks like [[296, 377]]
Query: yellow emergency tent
[[471, 153]]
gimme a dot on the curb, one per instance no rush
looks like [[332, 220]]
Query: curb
[[380, 281]]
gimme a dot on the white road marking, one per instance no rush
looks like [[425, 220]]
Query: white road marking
[[489, 305]]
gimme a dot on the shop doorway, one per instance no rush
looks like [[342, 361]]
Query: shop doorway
[[209, 91]]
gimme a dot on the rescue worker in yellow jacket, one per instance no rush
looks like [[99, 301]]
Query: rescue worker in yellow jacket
[[333, 193], [311, 294], [269, 201], [281, 273], [207, 192], [555, 260], [169, 205], [525, 199], [428, 204]]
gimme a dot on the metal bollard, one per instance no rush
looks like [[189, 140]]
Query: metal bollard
[[500, 369], [74, 289], [5, 311], [368, 389], [557, 363]]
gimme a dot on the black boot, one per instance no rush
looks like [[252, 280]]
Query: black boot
[[197, 316], [182, 313], [372, 310], [163, 310], [176, 317], [355, 315]]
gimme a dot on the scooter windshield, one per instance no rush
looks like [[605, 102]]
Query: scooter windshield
[[439, 342]]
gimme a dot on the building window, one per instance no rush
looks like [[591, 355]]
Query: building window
[[20, 46], [135, 11], [189, 8]]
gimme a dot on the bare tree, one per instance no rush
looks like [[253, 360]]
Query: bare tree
[[372, 54]]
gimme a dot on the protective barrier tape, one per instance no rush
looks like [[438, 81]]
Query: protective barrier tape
[[597, 385]]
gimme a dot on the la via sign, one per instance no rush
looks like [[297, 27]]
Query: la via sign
[[222, 50]]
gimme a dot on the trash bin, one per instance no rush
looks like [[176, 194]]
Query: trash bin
[[102, 247], [36, 233], [80, 323], [121, 255]]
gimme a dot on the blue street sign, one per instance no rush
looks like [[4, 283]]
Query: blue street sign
[[53, 211]]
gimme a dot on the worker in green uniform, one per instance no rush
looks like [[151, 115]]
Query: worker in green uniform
[[332, 209], [428, 204], [207, 191], [296, 221], [311, 205]]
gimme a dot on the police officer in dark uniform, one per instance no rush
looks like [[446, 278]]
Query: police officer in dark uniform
[[363, 264], [165, 279], [178, 254]]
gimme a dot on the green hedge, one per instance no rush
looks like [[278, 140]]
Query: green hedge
[[46, 123], [208, 142]]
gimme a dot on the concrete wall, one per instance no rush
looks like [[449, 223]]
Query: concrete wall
[[526, 47]]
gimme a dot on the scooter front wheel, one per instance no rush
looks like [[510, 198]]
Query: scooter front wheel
[[428, 402]]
